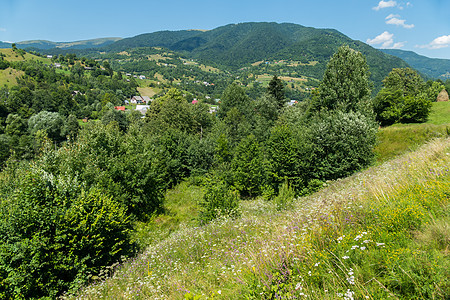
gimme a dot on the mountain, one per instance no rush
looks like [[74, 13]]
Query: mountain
[[44, 45], [238, 45], [431, 67]]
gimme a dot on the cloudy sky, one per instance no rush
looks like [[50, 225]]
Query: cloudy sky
[[422, 26]]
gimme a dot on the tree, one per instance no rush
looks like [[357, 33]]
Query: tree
[[249, 167], [72, 126], [404, 98], [276, 89], [51, 122], [406, 80], [345, 84], [234, 97]]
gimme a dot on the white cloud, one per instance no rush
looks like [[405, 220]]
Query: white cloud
[[385, 4], [2, 29], [438, 43], [394, 20], [392, 16], [386, 40], [398, 45]]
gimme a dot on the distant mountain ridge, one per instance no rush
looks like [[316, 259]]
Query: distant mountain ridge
[[432, 67], [45, 45], [237, 45]]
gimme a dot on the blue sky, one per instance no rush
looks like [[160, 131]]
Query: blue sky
[[422, 26]]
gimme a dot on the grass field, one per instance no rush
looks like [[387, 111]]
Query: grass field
[[400, 138], [147, 91], [382, 233], [8, 77]]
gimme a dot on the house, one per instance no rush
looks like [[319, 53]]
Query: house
[[126, 102], [137, 100], [292, 102], [121, 108], [142, 108], [141, 77], [49, 56], [57, 65], [146, 99]]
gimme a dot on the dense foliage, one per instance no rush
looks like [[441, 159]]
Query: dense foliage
[[405, 98], [70, 195]]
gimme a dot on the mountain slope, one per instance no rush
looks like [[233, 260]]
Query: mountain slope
[[44, 45], [238, 45], [432, 67]]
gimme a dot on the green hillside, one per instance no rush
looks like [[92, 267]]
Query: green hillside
[[46, 45], [237, 45], [431, 67]]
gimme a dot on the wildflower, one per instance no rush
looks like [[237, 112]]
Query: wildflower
[[354, 247], [380, 244], [346, 257], [316, 264], [298, 286], [363, 248], [219, 292]]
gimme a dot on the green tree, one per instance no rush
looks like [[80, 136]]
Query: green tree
[[50, 122], [249, 167], [276, 90], [72, 127], [404, 98], [406, 80], [234, 96], [345, 84]]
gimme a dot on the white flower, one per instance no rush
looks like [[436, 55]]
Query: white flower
[[346, 257], [363, 248], [298, 286], [219, 292]]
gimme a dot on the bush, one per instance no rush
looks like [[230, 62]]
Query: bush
[[249, 167], [219, 200], [415, 109], [54, 233], [285, 197], [337, 144]]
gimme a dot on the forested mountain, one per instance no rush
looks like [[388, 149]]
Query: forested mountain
[[432, 67], [44, 45], [237, 45]]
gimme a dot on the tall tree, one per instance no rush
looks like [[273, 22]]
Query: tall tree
[[345, 84], [405, 79], [276, 89]]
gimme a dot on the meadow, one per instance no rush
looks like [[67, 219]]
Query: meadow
[[381, 233]]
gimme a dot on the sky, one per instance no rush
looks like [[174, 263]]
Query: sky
[[422, 26]]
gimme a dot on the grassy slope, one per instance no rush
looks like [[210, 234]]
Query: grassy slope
[[397, 139], [8, 76], [381, 233]]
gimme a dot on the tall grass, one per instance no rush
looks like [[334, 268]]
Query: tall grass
[[378, 234]]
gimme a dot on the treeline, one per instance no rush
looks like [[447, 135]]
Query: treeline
[[49, 101], [67, 214]]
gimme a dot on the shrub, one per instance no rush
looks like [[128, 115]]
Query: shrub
[[285, 197], [337, 144], [54, 233], [219, 200]]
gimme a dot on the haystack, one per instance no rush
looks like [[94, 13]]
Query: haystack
[[443, 96]]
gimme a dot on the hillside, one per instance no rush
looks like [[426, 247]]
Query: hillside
[[45, 45], [381, 233], [237, 45], [431, 67]]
